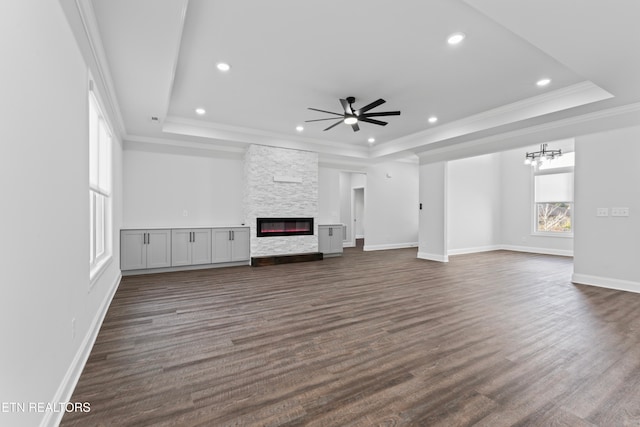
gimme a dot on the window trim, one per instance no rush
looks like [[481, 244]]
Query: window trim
[[98, 264], [534, 205]]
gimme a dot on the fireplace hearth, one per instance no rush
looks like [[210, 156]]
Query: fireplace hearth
[[268, 227]]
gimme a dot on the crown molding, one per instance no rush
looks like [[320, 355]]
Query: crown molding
[[139, 141], [222, 132], [91, 34], [558, 100], [598, 121]]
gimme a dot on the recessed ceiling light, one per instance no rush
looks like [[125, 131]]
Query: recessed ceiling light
[[223, 66], [543, 82], [200, 111], [433, 119], [456, 38], [299, 128], [371, 140]]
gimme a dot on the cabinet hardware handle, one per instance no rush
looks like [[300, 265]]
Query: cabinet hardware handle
[[148, 238], [233, 235], [192, 237], [144, 238]]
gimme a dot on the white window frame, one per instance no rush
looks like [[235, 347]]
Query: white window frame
[[100, 188], [534, 203]]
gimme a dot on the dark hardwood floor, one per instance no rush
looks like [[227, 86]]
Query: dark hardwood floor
[[367, 339]]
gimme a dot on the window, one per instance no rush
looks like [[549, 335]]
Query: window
[[99, 188], [553, 196]]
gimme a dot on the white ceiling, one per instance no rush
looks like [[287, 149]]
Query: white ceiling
[[287, 55]]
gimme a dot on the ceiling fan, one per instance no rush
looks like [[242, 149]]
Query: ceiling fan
[[352, 116]]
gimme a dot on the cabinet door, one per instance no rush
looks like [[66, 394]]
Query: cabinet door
[[133, 250], [158, 248], [240, 244], [336, 239], [201, 247], [180, 247], [324, 240], [221, 246]]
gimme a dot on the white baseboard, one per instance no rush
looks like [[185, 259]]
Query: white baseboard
[[389, 246], [433, 257], [70, 380], [359, 236], [474, 250], [348, 245], [534, 250], [606, 282]]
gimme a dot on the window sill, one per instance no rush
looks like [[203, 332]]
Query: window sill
[[560, 235], [98, 269]]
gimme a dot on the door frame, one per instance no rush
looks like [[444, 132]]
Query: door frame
[[353, 210]]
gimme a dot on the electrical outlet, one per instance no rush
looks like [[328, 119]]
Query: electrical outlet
[[602, 212], [619, 211], [185, 213]]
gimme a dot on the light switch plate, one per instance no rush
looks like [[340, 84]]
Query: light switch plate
[[602, 212], [619, 211]]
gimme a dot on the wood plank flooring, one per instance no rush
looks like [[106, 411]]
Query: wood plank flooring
[[367, 339]]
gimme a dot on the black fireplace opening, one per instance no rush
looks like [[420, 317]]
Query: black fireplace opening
[[285, 227]]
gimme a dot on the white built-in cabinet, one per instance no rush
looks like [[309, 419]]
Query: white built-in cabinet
[[330, 239], [144, 249], [190, 246], [230, 244]]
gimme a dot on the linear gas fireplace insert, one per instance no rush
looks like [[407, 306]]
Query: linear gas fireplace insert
[[285, 227]]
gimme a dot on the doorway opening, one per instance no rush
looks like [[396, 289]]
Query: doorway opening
[[357, 211]]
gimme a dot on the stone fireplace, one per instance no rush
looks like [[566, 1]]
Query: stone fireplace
[[281, 188]]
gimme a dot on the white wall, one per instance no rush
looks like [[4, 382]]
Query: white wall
[[391, 205], [433, 215], [517, 208], [345, 206], [161, 183], [474, 202], [607, 248], [328, 196], [44, 176]]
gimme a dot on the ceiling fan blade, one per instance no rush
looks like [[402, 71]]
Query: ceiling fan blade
[[334, 125], [368, 107], [375, 122], [345, 106], [355, 127], [319, 120], [382, 113], [325, 111]]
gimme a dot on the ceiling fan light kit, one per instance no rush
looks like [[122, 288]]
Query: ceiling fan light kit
[[352, 116]]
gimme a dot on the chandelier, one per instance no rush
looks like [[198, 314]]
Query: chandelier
[[537, 157]]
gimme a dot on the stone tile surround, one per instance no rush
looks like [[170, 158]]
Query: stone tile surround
[[280, 182]]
